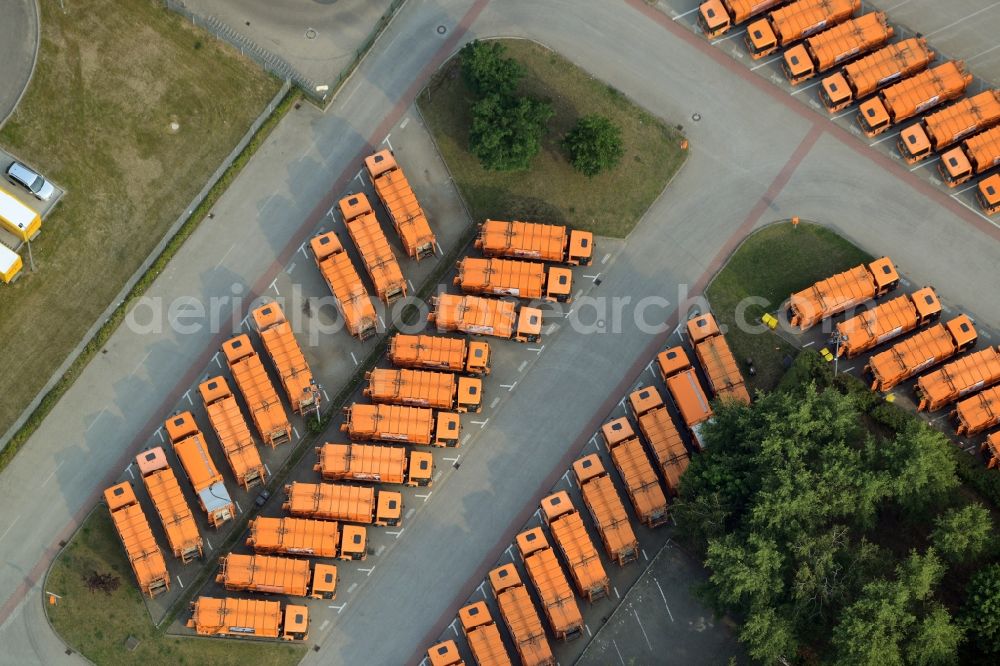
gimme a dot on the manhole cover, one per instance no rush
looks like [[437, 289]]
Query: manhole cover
[[310, 33], [441, 29], [696, 117]]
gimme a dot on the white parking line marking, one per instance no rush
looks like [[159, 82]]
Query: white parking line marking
[[452, 460], [180, 582], [425, 497], [395, 533], [664, 597], [509, 387], [993, 222], [964, 189], [508, 551], [496, 401], [354, 358], [592, 277], [850, 368], [96, 419], [216, 359], [982, 53], [593, 440], [805, 88], [690, 11], [566, 477], [616, 593], [964, 18], [405, 122], [339, 607], [618, 651], [636, 613], [605, 259], [452, 626], [766, 62], [644, 555], [291, 267], [52, 473], [367, 572], [537, 350], [738, 33], [296, 431], [465, 438], [187, 396], [353, 587], [925, 163], [225, 255], [325, 396], [410, 512], [275, 286], [481, 424], [480, 588], [302, 248], [210, 546], [129, 470], [267, 469], [9, 527], [386, 140], [381, 321], [379, 550], [845, 113], [322, 627], [410, 283], [568, 313], [809, 344], [357, 177], [892, 135], [239, 509], [523, 365]]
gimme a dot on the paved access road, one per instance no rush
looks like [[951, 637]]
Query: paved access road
[[755, 157], [18, 42]]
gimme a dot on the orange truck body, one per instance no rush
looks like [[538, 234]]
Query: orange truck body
[[519, 614], [717, 359], [348, 291], [950, 125], [606, 508], [977, 154], [173, 510], [380, 262], [486, 316], [870, 74], [395, 193], [835, 46], [268, 414], [657, 427], [438, 352], [913, 96], [991, 447], [546, 574], [444, 653], [233, 433], [958, 379], [379, 464], [570, 534], [912, 356], [841, 292], [483, 635], [423, 388], [988, 194], [794, 22], [887, 321], [241, 618], [337, 501], [978, 413], [143, 554], [685, 389], [535, 241], [633, 466], [717, 16], [280, 343], [512, 277], [311, 538], [267, 574], [396, 423], [191, 449]]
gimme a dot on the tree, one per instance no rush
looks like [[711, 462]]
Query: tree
[[507, 132], [963, 534], [921, 467], [594, 145], [935, 640], [981, 613], [486, 71]]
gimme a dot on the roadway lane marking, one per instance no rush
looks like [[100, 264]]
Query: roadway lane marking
[[322, 627], [811, 85], [496, 401], [275, 286], [690, 11], [405, 122], [140, 363], [618, 651], [766, 62], [410, 512], [52, 473], [524, 364], [964, 18], [648, 644], [9, 527], [605, 259], [353, 587], [379, 551], [664, 597], [96, 419], [225, 255]]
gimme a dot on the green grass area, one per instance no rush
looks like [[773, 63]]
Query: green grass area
[[609, 204], [97, 624], [772, 264], [112, 76]]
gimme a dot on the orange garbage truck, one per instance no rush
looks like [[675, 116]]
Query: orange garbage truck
[[233, 433], [991, 448], [546, 574], [482, 635], [946, 127], [519, 614], [444, 653], [348, 291], [394, 191], [605, 505], [886, 321], [337, 501], [661, 435], [974, 156], [570, 535], [141, 551], [423, 388], [978, 413], [262, 400], [380, 262], [175, 514], [916, 95], [191, 449], [685, 389], [438, 352], [794, 22], [312, 538], [912, 356], [486, 316], [268, 574], [988, 194], [396, 423], [511, 277], [279, 341], [835, 46], [864, 77], [633, 466], [535, 241], [380, 464], [716, 17], [717, 359], [248, 618], [841, 292], [958, 379]]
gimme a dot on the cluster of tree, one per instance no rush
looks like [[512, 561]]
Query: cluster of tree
[[507, 128], [833, 544]]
